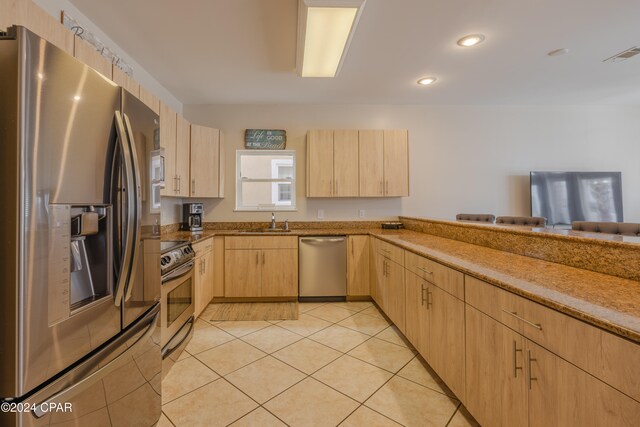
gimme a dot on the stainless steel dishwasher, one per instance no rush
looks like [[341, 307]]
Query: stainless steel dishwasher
[[322, 265]]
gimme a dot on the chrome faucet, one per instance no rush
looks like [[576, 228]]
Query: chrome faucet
[[273, 221], [286, 225]]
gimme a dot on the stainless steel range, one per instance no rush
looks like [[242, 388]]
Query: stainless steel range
[[176, 266]]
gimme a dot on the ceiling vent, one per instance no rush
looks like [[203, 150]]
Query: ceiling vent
[[624, 55]]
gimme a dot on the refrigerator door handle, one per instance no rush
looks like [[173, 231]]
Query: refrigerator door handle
[[78, 386], [138, 204], [125, 262]]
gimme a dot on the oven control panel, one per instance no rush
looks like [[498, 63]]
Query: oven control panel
[[175, 257]]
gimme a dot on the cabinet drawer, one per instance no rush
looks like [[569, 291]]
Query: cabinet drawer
[[261, 242], [493, 301], [202, 246], [443, 277], [391, 251]]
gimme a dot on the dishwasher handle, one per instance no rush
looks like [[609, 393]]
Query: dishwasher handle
[[313, 240]]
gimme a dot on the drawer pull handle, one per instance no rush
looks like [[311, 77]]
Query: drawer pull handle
[[514, 314], [529, 360], [422, 295], [515, 360], [425, 270]]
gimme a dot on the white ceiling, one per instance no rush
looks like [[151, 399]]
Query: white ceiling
[[243, 51]]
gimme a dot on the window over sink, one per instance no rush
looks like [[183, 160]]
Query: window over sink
[[265, 180]]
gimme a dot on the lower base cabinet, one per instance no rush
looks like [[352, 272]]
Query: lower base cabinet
[[203, 276], [512, 381], [260, 267]]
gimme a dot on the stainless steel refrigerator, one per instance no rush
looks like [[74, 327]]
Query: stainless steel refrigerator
[[79, 299]]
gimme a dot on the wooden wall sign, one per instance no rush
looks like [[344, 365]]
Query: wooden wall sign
[[265, 139]]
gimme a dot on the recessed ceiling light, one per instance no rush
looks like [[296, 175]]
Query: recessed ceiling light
[[426, 81], [558, 52], [471, 40]]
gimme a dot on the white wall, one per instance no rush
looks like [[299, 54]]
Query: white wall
[[462, 158], [54, 7]]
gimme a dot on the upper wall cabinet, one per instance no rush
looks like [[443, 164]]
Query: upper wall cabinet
[[32, 16], [149, 99], [384, 163], [364, 163], [87, 54], [168, 141], [206, 165], [332, 163], [122, 79]]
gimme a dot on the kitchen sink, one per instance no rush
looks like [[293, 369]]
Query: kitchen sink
[[264, 231]]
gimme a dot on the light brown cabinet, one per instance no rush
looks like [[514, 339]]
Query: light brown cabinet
[[495, 376], [384, 163], [396, 163], [205, 162], [388, 286], [127, 82], [41, 23], [203, 277], [168, 141], [13, 12], [150, 99], [261, 267], [512, 380], [371, 163], [358, 265], [435, 325], [332, 163], [87, 54], [182, 156]]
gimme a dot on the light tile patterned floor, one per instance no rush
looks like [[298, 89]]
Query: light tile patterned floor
[[339, 364]]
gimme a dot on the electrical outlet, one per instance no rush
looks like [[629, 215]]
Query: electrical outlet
[[361, 213], [320, 213]]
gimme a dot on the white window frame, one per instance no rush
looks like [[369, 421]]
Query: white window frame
[[276, 206]]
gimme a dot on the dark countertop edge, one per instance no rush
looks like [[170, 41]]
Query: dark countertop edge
[[396, 239], [607, 325], [602, 239]]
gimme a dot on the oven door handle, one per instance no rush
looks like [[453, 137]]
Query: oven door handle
[[166, 351], [179, 272]]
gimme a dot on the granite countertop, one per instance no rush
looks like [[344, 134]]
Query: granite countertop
[[609, 302]]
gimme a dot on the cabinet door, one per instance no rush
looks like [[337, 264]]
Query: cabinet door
[[279, 272], [168, 122], [205, 160], [320, 163], [416, 315], [46, 26], [564, 395], [207, 285], [345, 163], [371, 163], [396, 163], [198, 281], [149, 99], [87, 54], [183, 156], [394, 294], [13, 12], [377, 290], [446, 337], [242, 273], [122, 79], [496, 391], [358, 265]]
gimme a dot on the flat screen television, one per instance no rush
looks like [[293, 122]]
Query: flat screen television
[[564, 197]]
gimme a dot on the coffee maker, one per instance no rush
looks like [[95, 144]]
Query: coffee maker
[[192, 214]]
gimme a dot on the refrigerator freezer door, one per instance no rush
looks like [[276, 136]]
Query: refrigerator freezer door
[[57, 127], [118, 385]]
